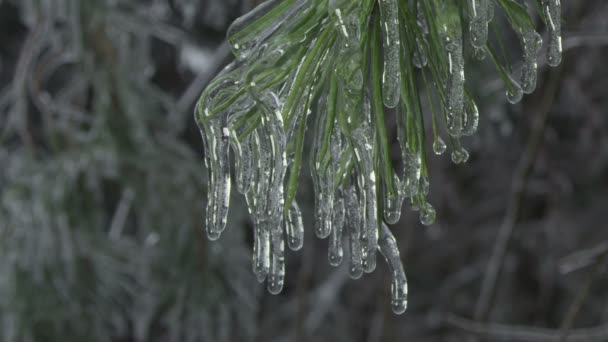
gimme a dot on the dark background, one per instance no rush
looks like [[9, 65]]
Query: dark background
[[102, 192]]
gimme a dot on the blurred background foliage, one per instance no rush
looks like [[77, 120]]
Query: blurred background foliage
[[102, 191]]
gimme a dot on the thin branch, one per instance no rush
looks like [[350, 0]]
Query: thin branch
[[518, 185], [515, 333], [578, 302], [582, 258]]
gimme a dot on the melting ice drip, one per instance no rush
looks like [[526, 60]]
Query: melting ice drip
[[341, 65]]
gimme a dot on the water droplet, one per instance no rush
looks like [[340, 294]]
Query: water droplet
[[460, 155], [427, 214], [514, 93], [439, 146]]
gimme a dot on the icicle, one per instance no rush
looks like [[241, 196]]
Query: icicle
[[455, 86], [420, 59], [471, 118], [479, 22], [294, 228], [261, 251], [367, 184], [276, 274], [216, 138], [391, 77], [353, 223], [335, 254], [531, 44], [552, 9], [411, 171], [388, 248], [322, 174], [271, 214], [243, 156], [350, 69]]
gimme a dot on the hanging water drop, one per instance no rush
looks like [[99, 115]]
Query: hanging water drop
[[439, 145], [460, 155], [427, 214], [514, 91]]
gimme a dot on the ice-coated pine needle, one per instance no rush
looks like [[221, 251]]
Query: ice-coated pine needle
[[338, 68]]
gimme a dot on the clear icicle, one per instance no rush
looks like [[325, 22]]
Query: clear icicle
[[261, 251], [350, 70], [322, 175], [294, 228], [335, 251], [531, 44], [367, 184], [479, 22], [272, 214], [455, 86], [353, 224], [216, 139], [388, 248], [261, 235], [276, 274], [412, 164], [391, 76], [552, 9], [471, 118], [217, 147]]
